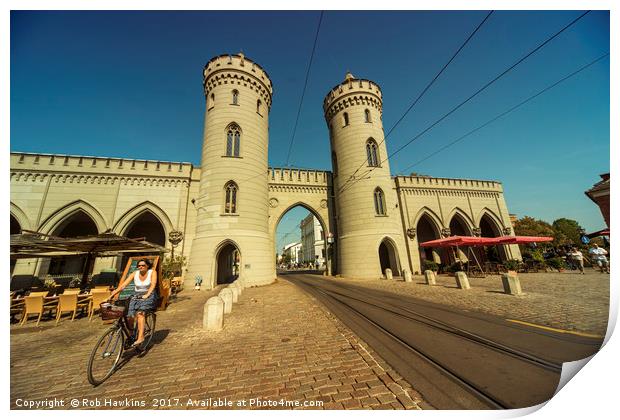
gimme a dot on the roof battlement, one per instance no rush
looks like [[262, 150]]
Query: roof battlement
[[237, 69], [448, 183], [350, 92]]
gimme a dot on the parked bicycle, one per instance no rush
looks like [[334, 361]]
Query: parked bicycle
[[106, 355]]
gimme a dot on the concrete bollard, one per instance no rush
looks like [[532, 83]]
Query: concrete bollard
[[239, 287], [429, 276], [240, 284], [227, 296], [462, 281], [512, 285], [213, 319], [235, 292], [388, 274], [407, 276]]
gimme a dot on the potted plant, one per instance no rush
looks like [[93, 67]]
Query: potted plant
[[431, 265], [511, 266]]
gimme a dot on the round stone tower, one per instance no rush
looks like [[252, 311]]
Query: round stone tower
[[232, 225], [370, 235]]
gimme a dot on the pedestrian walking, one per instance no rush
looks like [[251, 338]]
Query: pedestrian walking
[[599, 256], [577, 257]]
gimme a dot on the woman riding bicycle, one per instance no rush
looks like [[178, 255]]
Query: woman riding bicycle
[[144, 298]]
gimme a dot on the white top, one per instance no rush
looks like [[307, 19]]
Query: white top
[[599, 253], [577, 255], [142, 286]]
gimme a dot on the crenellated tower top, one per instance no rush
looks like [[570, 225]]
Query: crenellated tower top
[[350, 92], [237, 69]]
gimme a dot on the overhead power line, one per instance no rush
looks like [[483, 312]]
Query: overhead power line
[[502, 74], [352, 177], [507, 112], [303, 93]]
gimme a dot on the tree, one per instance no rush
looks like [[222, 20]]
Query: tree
[[567, 231], [528, 226]]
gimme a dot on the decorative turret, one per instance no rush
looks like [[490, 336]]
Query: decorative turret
[[232, 222], [369, 227]]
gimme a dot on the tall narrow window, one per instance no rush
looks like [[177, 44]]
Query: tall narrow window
[[230, 206], [212, 100], [379, 202], [235, 97], [258, 105], [334, 164], [367, 116], [346, 118], [372, 152], [233, 140]]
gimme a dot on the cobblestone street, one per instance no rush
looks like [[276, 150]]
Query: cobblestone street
[[278, 344], [566, 300]]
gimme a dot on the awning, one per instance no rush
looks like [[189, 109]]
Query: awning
[[523, 239], [482, 241], [460, 241], [604, 232], [35, 244]]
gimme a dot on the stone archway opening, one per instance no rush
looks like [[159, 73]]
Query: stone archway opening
[[388, 257], [77, 224], [489, 229], [459, 227], [148, 226], [300, 242], [16, 229], [227, 264], [426, 230]]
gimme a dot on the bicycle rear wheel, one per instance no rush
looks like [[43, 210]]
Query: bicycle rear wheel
[[105, 356]]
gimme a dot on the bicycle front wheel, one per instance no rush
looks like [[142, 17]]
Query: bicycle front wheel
[[105, 356]]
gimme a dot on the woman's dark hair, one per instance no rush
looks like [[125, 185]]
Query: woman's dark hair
[[149, 265]]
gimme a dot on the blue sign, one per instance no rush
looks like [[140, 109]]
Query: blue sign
[[585, 240]]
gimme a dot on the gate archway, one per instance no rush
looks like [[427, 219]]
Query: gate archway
[[227, 263], [388, 257]]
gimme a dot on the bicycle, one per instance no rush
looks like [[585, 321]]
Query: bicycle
[[107, 353]]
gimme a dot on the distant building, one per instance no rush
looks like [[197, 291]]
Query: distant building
[[292, 252], [599, 193], [312, 241]]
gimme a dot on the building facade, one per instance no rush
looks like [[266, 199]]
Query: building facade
[[228, 209], [312, 241]]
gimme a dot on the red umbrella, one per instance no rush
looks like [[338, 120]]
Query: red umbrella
[[460, 241], [523, 239]]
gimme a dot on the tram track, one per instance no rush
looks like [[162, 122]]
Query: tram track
[[456, 360]]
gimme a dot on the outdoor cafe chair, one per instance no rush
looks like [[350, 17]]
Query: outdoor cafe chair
[[33, 304], [68, 302], [100, 295]]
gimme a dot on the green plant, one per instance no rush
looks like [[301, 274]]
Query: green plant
[[511, 265], [556, 263], [454, 267], [173, 267], [430, 265], [49, 283]]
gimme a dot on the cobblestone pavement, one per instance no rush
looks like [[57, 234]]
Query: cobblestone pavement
[[566, 300], [278, 344]]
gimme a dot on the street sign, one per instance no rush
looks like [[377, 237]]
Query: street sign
[[585, 240]]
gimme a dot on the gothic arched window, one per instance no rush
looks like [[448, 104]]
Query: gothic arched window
[[379, 202], [233, 140], [230, 204], [367, 116], [235, 97], [372, 152]]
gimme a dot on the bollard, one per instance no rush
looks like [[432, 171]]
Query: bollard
[[388, 274], [512, 285], [238, 286], [462, 281], [429, 276], [235, 292], [213, 319], [227, 297], [407, 276]]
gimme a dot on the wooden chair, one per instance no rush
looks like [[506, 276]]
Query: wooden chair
[[100, 295], [68, 302], [33, 304]]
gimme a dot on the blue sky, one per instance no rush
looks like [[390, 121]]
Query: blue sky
[[128, 84]]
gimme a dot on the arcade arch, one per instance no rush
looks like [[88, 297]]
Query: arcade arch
[[388, 256], [78, 223], [490, 228], [427, 229]]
